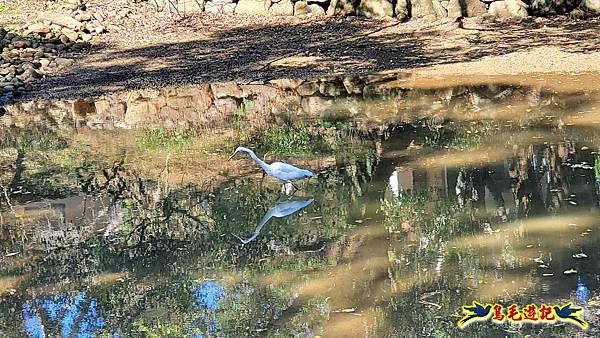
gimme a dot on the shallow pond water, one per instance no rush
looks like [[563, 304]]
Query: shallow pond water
[[121, 216]]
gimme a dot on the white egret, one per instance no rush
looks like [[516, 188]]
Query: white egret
[[282, 209], [285, 173]]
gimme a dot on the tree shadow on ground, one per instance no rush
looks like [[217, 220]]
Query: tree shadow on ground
[[308, 50]]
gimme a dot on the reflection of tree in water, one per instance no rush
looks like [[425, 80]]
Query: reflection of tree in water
[[471, 185], [597, 177], [544, 179], [16, 177]]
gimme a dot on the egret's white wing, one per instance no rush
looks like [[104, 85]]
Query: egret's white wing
[[287, 172]]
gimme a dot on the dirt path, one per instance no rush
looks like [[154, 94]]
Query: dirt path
[[211, 48]]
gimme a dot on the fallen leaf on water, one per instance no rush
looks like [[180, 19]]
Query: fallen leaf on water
[[570, 271]]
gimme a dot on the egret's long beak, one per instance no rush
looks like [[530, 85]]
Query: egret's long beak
[[230, 157]]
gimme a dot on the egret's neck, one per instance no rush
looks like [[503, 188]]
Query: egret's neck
[[261, 163]]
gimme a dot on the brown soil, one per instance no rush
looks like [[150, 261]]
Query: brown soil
[[157, 49]]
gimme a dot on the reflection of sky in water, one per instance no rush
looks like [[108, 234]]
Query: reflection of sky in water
[[53, 305], [89, 323], [582, 292], [208, 294], [33, 325], [81, 313], [68, 321]]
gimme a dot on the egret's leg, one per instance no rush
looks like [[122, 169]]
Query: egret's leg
[[287, 188], [294, 186], [261, 181]]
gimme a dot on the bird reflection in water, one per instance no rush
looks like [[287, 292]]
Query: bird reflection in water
[[280, 210]]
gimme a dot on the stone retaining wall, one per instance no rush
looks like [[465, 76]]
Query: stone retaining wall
[[375, 99], [400, 9]]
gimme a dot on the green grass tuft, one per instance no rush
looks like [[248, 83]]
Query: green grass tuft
[[166, 139], [288, 141]]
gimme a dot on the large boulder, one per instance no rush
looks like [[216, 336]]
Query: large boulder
[[39, 28], [342, 7], [376, 8], [189, 7], [71, 34], [465, 8], [508, 9], [591, 5], [430, 9], [552, 7], [251, 7], [226, 89], [219, 7], [302, 9], [60, 19], [282, 8], [315, 10], [402, 10]]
